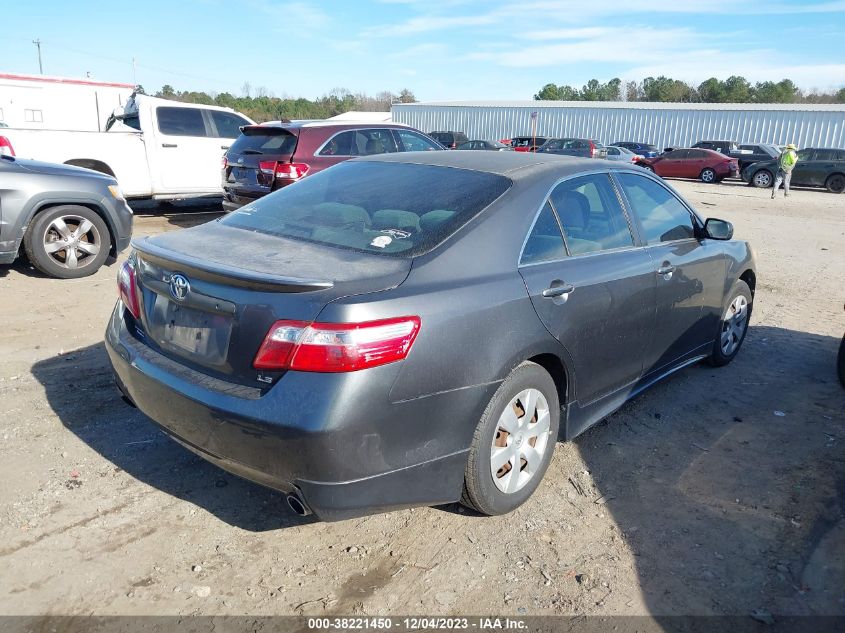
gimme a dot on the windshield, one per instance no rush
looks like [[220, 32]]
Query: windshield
[[394, 209]]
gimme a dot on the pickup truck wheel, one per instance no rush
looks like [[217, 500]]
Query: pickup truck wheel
[[67, 242], [835, 183], [762, 179], [513, 442]]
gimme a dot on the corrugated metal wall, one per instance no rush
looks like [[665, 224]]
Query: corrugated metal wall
[[663, 127]]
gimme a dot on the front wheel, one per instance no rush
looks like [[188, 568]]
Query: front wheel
[[67, 242], [733, 325], [835, 183], [513, 442], [762, 179], [708, 175]]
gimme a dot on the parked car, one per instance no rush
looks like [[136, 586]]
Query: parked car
[[490, 146], [723, 147], [69, 220], [706, 164], [527, 143], [643, 149], [449, 140], [350, 340], [266, 158], [623, 154], [750, 153], [583, 147], [155, 148], [816, 167]]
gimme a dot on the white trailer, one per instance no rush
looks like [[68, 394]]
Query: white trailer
[[40, 102]]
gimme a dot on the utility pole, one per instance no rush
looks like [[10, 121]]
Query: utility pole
[[37, 42]]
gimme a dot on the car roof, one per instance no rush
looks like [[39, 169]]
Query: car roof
[[346, 125], [514, 165]]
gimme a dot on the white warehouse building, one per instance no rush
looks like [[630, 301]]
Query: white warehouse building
[[59, 103], [661, 124]]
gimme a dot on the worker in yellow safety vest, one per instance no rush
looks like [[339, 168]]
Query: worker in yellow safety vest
[[786, 163]]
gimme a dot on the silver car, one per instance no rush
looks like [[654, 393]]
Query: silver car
[[68, 220], [615, 152]]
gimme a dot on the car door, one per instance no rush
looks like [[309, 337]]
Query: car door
[[697, 160], [802, 173], [594, 291], [188, 153], [689, 272], [819, 168], [671, 165]]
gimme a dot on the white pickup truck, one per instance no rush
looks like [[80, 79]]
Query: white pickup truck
[[156, 148]]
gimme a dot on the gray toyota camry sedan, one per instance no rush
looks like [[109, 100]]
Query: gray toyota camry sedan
[[420, 328]]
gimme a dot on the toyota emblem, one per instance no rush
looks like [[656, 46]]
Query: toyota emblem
[[179, 286]]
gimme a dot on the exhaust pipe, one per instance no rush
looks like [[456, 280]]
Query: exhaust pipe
[[297, 504]]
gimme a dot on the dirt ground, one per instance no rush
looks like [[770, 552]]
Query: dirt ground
[[720, 491]]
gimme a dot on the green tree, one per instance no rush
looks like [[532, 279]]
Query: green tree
[[711, 91], [666, 89], [737, 90]]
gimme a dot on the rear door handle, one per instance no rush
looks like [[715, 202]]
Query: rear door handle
[[169, 145], [558, 289], [666, 269]]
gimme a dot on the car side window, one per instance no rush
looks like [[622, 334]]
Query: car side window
[[825, 154], [370, 142], [697, 153], [663, 217], [612, 151], [805, 155], [228, 125], [413, 142], [678, 154], [180, 121], [591, 215], [545, 242]]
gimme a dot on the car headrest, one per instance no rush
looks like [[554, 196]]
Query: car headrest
[[574, 210], [396, 219], [431, 220], [339, 214]]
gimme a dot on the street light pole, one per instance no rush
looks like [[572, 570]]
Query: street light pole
[[37, 42]]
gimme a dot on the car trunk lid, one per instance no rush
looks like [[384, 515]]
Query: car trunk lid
[[210, 293]]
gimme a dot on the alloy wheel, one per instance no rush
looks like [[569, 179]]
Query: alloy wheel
[[734, 325], [762, 179], [521, 441], [72, 241]]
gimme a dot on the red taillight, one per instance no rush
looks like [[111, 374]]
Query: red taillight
[[336, 347], [592, 150], [224, 163], [128, 289], [6, 148], [291, 171]]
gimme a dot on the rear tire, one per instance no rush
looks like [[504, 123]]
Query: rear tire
[[708, 175], [67, 242], [762, 179], [835, 183], [519, 430], [733, 326]]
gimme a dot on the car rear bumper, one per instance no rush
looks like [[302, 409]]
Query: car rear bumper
[[330, 438]]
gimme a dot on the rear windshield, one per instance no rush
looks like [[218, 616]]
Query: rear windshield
[[394, 209], [270, 142]]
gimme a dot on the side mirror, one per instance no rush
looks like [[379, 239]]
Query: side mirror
[[718, 229]]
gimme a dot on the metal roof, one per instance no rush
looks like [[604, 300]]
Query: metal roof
[[630, 105]]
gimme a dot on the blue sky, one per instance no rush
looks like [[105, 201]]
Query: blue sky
[[441, 50]]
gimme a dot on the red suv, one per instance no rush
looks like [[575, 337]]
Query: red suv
[[267, 157], [706, 164]]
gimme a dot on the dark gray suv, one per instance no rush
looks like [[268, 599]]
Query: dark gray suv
[[68, 220]]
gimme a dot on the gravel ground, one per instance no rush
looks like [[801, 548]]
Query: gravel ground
[[720, 491]]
